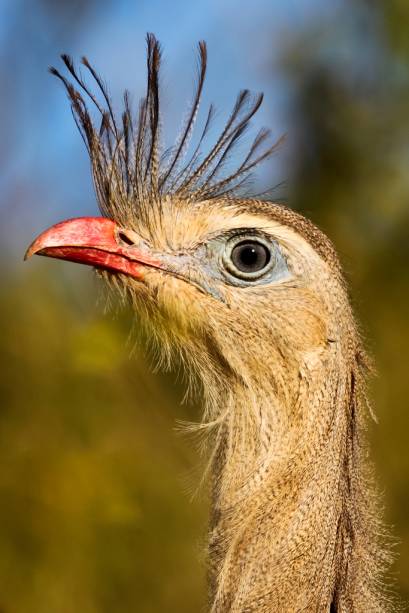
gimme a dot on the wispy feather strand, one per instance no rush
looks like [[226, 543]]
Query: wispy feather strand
[[127, 163]]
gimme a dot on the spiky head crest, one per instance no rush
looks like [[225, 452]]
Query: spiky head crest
[[128, 164]]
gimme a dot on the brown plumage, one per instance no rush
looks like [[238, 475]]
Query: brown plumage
[[250, 295]]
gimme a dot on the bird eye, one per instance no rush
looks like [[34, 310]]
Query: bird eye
[[248, 258]]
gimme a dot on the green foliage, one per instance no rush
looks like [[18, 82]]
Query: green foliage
[[94, 514]]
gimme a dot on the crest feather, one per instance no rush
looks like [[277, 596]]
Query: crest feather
[[127, 163]]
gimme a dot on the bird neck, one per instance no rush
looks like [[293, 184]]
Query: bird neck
[[293, 523]]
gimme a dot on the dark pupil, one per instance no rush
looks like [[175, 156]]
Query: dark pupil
[[250, 256]]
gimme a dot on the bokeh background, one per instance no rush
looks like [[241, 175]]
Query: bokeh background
[[95, 510]]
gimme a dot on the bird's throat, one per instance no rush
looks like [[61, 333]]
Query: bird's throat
[[290, 527]]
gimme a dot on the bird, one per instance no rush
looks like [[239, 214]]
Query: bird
[[250, 296]]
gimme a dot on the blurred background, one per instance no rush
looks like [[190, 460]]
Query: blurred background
[[95, 511]]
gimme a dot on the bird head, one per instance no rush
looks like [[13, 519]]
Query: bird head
[[239, 286]]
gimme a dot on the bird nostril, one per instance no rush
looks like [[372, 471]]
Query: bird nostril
[[125, 239]]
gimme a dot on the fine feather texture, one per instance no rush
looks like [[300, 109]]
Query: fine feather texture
[[295, 521]]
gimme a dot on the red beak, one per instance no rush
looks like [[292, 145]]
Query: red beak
[[95, 241]]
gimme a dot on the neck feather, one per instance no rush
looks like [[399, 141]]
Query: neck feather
[[294, 524]]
